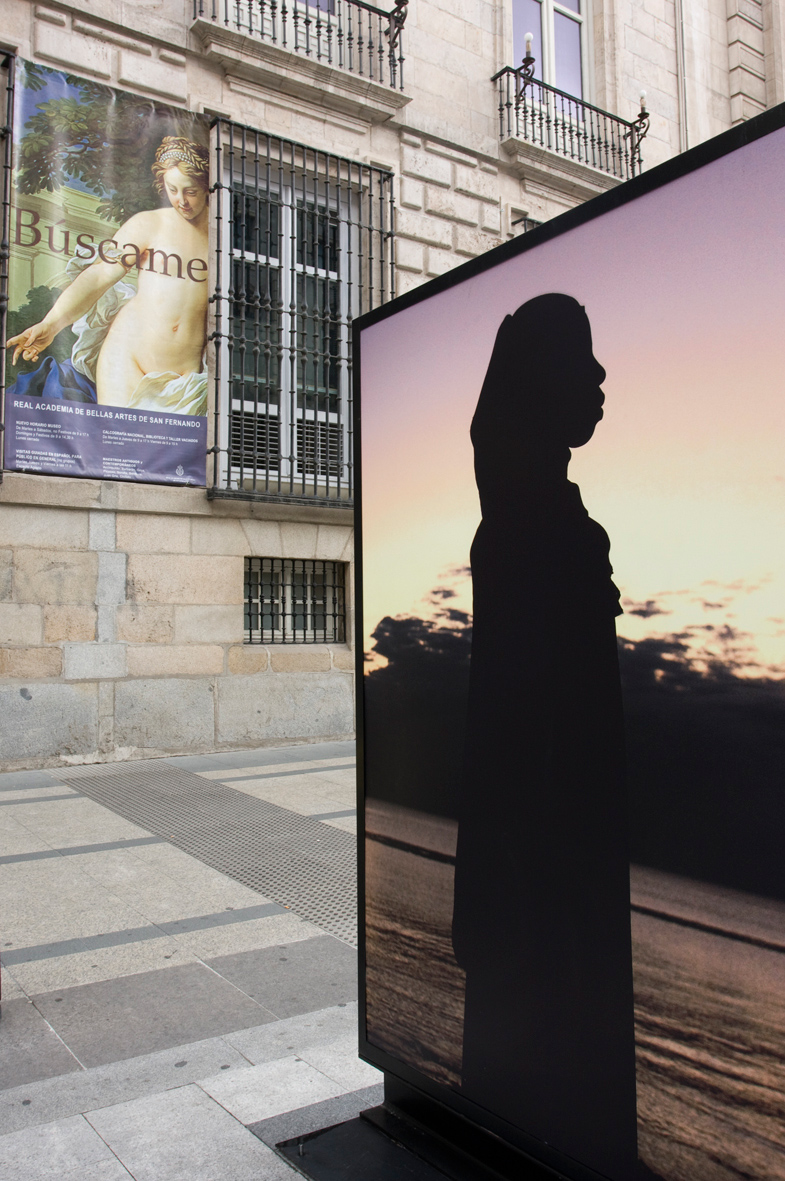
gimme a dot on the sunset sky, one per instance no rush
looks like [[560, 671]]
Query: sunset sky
[[685, 292]]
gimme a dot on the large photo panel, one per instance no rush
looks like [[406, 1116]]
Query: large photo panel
[[106, 372], [573, 604]]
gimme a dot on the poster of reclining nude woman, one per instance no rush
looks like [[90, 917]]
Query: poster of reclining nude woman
[[572, 599], [106, 372]]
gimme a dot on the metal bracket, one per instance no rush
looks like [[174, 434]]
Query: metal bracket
[[397, 21]]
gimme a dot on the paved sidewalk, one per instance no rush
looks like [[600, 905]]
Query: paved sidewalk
[[160, 1018]]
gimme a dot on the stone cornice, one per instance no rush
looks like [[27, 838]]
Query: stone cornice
[[284, 72], [24, 488], [540, 167]]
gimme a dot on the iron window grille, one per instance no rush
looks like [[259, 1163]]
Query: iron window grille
[[303, 244], [293, 601]]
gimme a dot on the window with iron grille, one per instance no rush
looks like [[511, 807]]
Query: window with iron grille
[[294, 601], [303, 245]]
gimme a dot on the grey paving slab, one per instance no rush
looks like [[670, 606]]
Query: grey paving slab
[[296, 977], [149, 1011], [258, 1092], [105, 963], [203, 922], [52, 1150], [11, 986], [340, 1062], [28, 780], [334, 815], [285, 774], [302, 794], [346, 823], [16, 837], [104, 1170], [162, 896], [27, 801], [296, 1034], [89, 967], [184, 1135], [317, 1115], [104, 1086], [78, 850], [75, 822], [29, 1048], [64, 947], [305, 793], [245, 937], [48, 901], [265, 756]]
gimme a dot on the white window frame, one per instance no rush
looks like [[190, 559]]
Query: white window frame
[[545, 70], [287, 608]]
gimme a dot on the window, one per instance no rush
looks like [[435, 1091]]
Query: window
[[291, 601], [304, 245], [559, 44]]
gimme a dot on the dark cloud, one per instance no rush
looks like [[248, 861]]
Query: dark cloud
[[705, 742], [415, 710], [644, 610], [705, 751], [442, 592], [455, 615], [678, 661], [407, 642]]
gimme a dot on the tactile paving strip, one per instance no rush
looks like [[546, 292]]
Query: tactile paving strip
[[293, 860]]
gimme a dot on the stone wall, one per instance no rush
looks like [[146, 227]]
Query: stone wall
[[121, 625], [121, 616]]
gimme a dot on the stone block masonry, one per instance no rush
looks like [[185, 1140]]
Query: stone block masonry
[[122, 628], [455, 204], [121, 605]]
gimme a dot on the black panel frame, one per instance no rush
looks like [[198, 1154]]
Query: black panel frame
[[400, 1077]]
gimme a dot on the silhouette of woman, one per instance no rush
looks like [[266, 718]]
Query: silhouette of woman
[[541, 921]]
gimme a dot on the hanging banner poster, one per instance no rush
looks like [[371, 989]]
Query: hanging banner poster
[[106, 372]]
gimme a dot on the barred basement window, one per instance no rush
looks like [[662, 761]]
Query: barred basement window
[[304, 244], [293, 601]]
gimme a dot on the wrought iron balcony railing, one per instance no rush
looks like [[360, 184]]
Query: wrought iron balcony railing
[[540, 114], [348, 34]]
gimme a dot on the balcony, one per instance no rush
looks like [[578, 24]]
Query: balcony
[[341, 53], [537, 121]]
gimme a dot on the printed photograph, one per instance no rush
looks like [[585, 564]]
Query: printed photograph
[[574, 610]]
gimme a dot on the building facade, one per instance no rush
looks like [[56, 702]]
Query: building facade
[[357, 151]]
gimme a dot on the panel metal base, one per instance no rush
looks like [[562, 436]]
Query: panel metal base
[[387, 1144]]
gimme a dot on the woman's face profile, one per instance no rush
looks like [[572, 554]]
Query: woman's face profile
[[185, 194], [581, 398]]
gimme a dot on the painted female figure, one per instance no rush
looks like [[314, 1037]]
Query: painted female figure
[[541, 922], [137, 346]]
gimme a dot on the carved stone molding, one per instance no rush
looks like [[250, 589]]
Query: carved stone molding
[[541, 169]]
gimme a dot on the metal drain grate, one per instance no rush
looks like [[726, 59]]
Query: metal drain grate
[[293, 860]]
